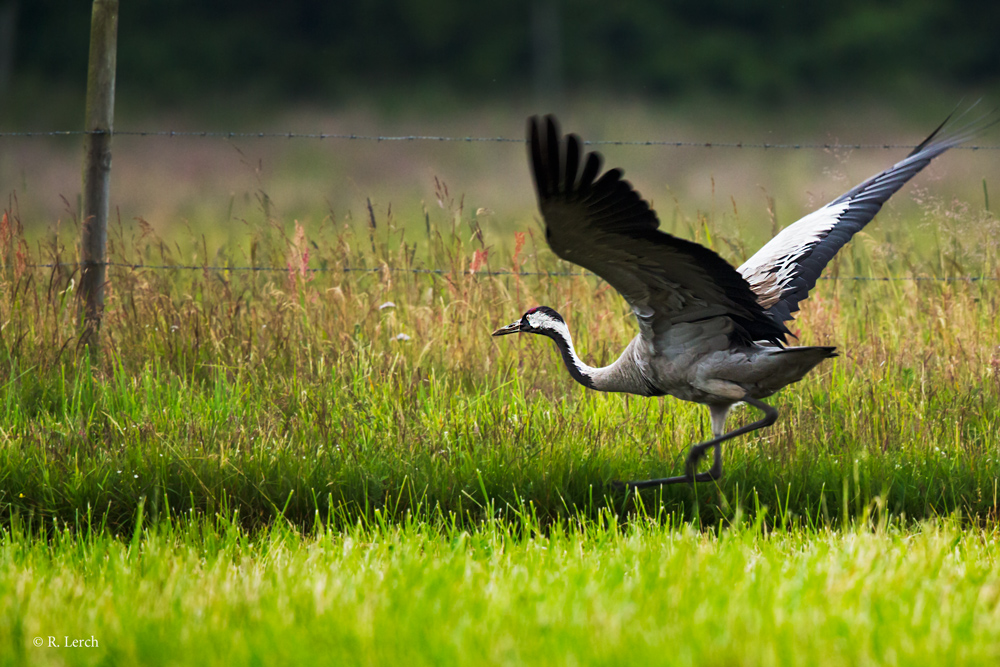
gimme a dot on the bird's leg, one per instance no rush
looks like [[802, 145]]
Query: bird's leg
[[697, 451], [719, 414]]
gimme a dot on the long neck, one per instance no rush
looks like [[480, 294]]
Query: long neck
[[622, 375], [580, 371]]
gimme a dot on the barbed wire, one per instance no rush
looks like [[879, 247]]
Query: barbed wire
[[471, 139], [441, 272]]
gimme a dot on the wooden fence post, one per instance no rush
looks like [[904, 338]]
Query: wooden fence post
[[97, 163]]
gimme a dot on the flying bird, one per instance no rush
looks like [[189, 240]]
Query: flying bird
[[708, 332]]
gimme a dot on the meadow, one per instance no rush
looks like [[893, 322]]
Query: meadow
[[332, 461]]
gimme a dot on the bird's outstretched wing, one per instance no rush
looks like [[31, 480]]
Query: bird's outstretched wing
[[603, 225], [787, 267]]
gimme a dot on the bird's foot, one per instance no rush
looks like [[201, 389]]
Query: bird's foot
[[710, 476], [690, 477], [691, 466]]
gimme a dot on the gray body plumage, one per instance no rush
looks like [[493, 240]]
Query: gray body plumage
[[708, 332]]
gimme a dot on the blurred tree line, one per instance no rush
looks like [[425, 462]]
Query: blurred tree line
[[176, 49]]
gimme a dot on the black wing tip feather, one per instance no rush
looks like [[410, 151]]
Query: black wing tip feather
[[555, 161], [956, 129], [923, 144]]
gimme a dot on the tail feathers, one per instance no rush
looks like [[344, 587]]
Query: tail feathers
[[790, 365], [820, 352]]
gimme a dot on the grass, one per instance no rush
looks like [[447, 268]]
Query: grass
[[292, 393], [343, 466], [202, 591]]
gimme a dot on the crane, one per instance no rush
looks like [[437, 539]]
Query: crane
[[708, 332]]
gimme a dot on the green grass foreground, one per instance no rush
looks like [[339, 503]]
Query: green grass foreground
[[195, 591]]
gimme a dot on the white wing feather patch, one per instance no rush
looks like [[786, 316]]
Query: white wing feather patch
[[768, 278]]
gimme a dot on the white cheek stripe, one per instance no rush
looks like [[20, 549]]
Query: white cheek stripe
[[540, 320]]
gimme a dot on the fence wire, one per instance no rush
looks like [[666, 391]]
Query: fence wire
[[470, 139], [464, 139], [442, 272]]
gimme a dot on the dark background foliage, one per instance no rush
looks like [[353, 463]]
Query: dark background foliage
[[173, 50]]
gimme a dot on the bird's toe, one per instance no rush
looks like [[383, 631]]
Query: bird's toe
[[618, 485]]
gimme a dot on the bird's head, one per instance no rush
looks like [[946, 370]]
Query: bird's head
[[540, 320]]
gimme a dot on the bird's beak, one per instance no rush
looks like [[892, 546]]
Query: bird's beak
[[513, 327]]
